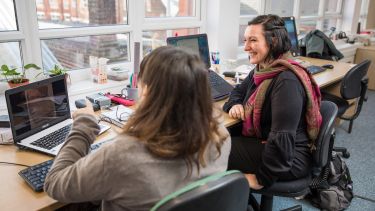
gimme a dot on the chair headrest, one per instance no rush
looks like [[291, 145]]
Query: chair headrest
[[351, 83]]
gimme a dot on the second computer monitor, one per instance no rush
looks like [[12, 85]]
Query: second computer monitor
[[196, 43], [290, 26]]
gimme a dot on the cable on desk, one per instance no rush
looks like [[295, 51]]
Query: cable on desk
[[17, 164]]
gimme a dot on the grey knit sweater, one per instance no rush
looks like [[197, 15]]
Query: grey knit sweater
[[122, 174]]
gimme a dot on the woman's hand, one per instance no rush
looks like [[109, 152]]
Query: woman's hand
[[86, 110], [253, 182], [237, 112]]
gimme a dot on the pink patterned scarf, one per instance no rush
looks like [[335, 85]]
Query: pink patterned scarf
[[263, 78]]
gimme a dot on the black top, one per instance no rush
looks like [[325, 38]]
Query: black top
[[283, 125]]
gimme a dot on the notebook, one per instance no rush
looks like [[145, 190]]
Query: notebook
[[198, 44], [39, 114]]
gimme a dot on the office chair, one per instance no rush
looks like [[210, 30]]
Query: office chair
[[321, 155], [224, 191], [353, 85]]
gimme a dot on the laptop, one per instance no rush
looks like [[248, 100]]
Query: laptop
[[39, 114], [198, 43]]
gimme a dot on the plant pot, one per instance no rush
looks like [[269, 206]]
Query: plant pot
[[13, 85]]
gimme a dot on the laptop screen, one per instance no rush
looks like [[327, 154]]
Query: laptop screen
[[290, 26], [196, 43], [37, 106]]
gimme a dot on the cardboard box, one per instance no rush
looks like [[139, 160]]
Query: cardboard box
[[367, 53]]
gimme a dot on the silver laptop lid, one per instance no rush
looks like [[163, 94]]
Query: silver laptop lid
[[37, 106]]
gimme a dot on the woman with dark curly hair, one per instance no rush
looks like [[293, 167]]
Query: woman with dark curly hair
[[279, 104]]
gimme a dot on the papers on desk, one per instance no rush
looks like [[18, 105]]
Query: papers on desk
[[118, 115]]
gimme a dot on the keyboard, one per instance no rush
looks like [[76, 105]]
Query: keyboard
[[315, 69], [53, 139], [215, 79], [36, 174]]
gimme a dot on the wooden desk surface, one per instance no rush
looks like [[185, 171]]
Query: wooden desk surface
[[330, 76], [15, 194]]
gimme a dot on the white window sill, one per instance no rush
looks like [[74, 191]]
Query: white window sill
[[80, 89], [88, 87]]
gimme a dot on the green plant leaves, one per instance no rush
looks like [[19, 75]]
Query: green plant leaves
[[28, 66]]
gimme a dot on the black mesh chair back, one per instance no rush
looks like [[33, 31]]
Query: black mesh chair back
[[226, 191], [300, 187], [321, 155], [351, 83]]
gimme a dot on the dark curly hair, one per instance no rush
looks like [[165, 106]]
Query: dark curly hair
[[277, 37]]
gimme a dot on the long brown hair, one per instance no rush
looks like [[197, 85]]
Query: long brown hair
[[175, 118]]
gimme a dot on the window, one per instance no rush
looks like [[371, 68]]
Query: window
[[7, 16], [309, 7], [10, 54], [328, 24], [93, 13], [332, 6], [281, 7], [241, 39], [310, 14], [307, 26], [67, 32], [73, 53], [169, 8], [249, 7]]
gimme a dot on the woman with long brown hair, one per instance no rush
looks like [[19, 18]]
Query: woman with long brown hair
[[172, 139]]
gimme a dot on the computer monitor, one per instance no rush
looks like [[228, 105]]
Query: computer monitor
[[290, 26], [196, 43]]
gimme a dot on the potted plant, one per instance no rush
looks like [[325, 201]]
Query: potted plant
[[14, 77], [56, 70]]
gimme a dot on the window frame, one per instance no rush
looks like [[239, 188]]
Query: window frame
[[322, 15], [30, 36]]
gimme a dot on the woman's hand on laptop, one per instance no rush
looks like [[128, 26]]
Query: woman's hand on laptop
[[86, 110]]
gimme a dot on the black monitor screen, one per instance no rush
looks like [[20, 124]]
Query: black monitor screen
[[37, 106], [196, 43], [290, 26]]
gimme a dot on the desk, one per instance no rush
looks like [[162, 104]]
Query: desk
[[15, 194]]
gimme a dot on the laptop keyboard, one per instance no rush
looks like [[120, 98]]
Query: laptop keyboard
[[219, 86], [36, 174], [315, 69], [215, 79], [53, 139]]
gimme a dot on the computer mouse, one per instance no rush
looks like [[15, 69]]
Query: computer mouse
[[81, 103], [328, 66]]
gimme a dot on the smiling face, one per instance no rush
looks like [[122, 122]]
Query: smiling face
[[255, 44]]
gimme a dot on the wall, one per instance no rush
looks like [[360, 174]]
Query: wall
[[370, 23]]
